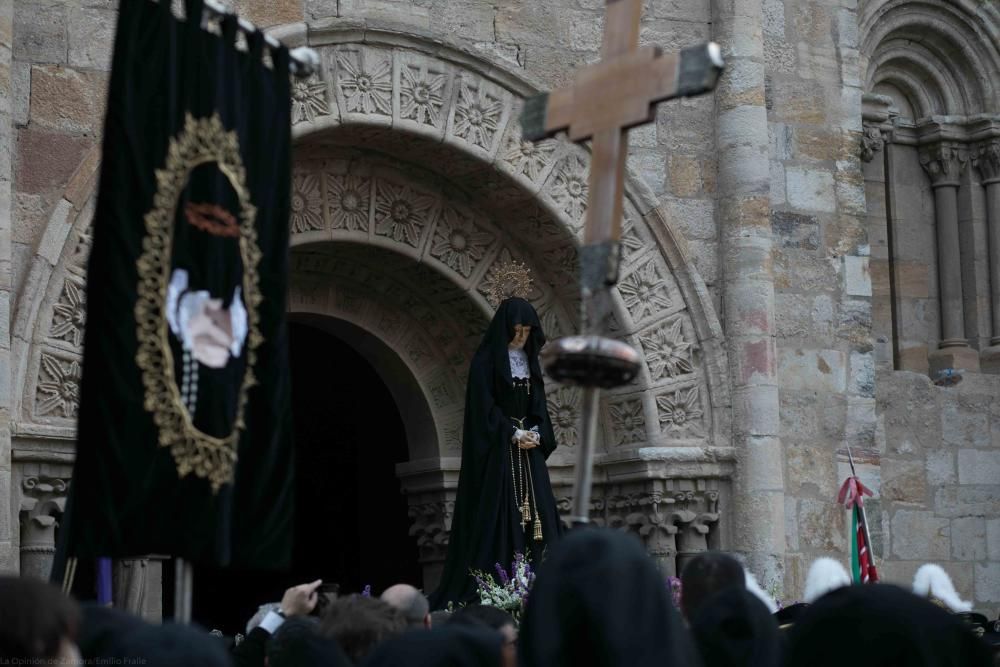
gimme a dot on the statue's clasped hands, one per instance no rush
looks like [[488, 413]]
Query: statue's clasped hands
[[527, 439]]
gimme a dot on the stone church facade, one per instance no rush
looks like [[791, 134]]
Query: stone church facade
[[805, 250]]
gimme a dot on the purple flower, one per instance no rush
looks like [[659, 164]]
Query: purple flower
[[674, 586], [367, 592], [504, 577]]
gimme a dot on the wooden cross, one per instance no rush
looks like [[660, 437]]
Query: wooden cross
[[606, 99]]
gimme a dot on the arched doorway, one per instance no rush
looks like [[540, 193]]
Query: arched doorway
[[351, 523]]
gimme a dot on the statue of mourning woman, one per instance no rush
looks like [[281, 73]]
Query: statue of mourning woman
[[504, 503]]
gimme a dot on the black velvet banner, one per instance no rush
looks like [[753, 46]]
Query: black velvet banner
[[184, 439]]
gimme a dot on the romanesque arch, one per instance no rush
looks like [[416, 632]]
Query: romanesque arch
[[411, 183]]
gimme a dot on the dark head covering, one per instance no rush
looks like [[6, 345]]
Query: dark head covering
[[599, 600], [35, 617], [297, 643], [735, 629], [705, 576], [448, 646], [878, 625], [500, 333]]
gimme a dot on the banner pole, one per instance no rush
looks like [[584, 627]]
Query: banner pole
[[183, 586]]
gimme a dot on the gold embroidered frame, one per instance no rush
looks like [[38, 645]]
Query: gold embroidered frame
[[203, 140]]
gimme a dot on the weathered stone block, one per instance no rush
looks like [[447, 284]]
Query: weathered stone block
[[857, 281], [941, 467], [40, 31], [821, 525], [993, 539], [861, 380], [904, 481], [695, 217], [684, 173], [810, 468], [91, 37], [814, 370], [795, 230], [988, 582], [976, 466], [47, 159], [66, 99], [20, 74], [920, 536], [968, 538], [810, 189], [964, 428], [959, 501], [267, 13]]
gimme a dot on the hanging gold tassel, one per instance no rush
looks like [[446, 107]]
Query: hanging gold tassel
[[526, 511], [538, 529]]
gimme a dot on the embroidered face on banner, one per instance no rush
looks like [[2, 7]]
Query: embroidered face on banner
[[196, 316]]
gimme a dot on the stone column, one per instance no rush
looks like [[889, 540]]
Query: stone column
[[744, 219], [8, 557], [42, 503], [877, 132], [137, 586], [988, 163], [943, 163]]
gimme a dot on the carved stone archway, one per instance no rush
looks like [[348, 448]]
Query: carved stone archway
[[411, 182]]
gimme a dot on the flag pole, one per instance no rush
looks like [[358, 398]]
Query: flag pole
[[864, 520], [183, 585]]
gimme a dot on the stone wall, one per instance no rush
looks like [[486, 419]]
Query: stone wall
[[7, 518], [940, 482], [822, 286]]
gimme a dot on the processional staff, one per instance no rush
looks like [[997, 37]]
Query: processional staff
[[605, 100]]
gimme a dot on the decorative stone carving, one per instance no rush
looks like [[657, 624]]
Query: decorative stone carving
[[422, 94], [529, 158], [57, 392], [987, 161], [943, 162], [431, 525], [69, 314], [42, 504], [307, 204], [401, 213], [872, 141], [645, 291], [458, 242], [667, 353], [564, 411], [681, 413], [365, 81], [632, 243], [674, 518], [628, 424], [569, 188], [347, 199], [308, 100], [477, 113]]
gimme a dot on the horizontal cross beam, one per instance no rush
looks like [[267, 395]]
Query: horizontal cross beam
[[621, 92]]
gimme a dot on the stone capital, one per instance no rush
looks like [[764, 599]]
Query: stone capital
[[873, 139], [987, 160], [944, 163]]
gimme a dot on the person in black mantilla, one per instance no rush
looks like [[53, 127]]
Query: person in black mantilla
[[504, 504]]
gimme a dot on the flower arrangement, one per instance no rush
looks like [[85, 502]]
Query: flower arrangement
[[510, 590]]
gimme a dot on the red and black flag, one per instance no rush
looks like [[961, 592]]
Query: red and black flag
[[184, 434]]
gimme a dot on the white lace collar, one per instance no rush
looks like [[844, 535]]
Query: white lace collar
[[518, 363]]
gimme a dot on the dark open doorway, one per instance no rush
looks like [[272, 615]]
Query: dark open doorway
[[351, 526]]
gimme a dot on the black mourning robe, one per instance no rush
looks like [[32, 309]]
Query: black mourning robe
[[486, 526], [599, 600], [879, 625], [734, 629]]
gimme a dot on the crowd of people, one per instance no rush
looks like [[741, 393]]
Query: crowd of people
[[598, 600]]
